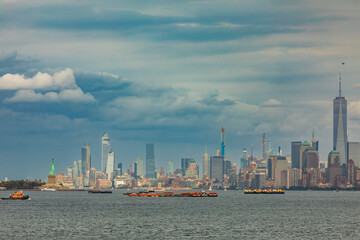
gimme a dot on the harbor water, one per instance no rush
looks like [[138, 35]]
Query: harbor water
[[232, 215]]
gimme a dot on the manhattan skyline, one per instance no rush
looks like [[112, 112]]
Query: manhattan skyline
[[171, 74]]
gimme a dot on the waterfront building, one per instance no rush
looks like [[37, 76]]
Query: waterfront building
[[105, 149], [350, 172], [340, 125], [280, 166], [103, 183], [171, 167], [206, 167], [354, 152], [217, 168], [110, 165], [293, 177], [150, 161], [260, 179], [334, 167], [139, 166], [295, 154], [223, 141], [92, 177]]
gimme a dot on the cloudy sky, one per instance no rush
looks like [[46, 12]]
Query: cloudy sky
[[171, 73]]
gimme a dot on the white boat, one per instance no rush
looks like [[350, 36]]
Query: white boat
[[48, 190]]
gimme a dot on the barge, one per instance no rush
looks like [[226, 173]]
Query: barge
[[264, 191]]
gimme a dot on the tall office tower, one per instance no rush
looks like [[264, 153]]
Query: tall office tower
[[110, 165], [120, 167], [75, 170], [150, 161], [305, 145], [217, 168], [80, 167], [185, 163], [170, 168], [105, 149], [227, 166], [139, 172], [271, 164], [295, 154], [222, 141], [86, 158], [312, 158], [281, 165], [334, 166], [206, 166], [354, 152], [340, 125]]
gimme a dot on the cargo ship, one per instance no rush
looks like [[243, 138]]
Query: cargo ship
[[17, 196], [172, 194], [264, 191]]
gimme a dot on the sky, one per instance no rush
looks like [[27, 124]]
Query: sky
[[170, 73]]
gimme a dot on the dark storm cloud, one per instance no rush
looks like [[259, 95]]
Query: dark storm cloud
[[207, 25]]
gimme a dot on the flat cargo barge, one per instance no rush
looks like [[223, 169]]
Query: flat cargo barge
[[99, 191], [171, 194], [265, 191]]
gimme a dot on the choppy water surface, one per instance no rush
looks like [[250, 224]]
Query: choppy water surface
[[79, 215]]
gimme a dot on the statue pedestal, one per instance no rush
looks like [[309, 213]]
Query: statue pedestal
[[51, 179]]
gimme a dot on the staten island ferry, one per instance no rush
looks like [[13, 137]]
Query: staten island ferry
[[264, 191]]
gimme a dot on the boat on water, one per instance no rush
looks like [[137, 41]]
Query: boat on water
[[99, 191], [18, 195], [264, 191], [172, 194], [48, 190]]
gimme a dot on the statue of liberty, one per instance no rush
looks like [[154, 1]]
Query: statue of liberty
[[52, 169]]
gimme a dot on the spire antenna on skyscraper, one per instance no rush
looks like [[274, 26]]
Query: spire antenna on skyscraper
[[340, 84]]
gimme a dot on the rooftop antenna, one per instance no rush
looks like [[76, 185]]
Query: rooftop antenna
[[340, 81]]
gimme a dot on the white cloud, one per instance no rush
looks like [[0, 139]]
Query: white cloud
[[272, 102], [73, 95], [61, 80]]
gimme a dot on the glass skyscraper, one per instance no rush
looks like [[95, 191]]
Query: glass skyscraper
[[105, 149], [110, 166], [150, 161], [340, 125], [85, 158]]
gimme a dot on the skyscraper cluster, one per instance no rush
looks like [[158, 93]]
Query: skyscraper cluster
[[301, 168]]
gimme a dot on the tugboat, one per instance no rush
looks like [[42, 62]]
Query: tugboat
[[17, 196]]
